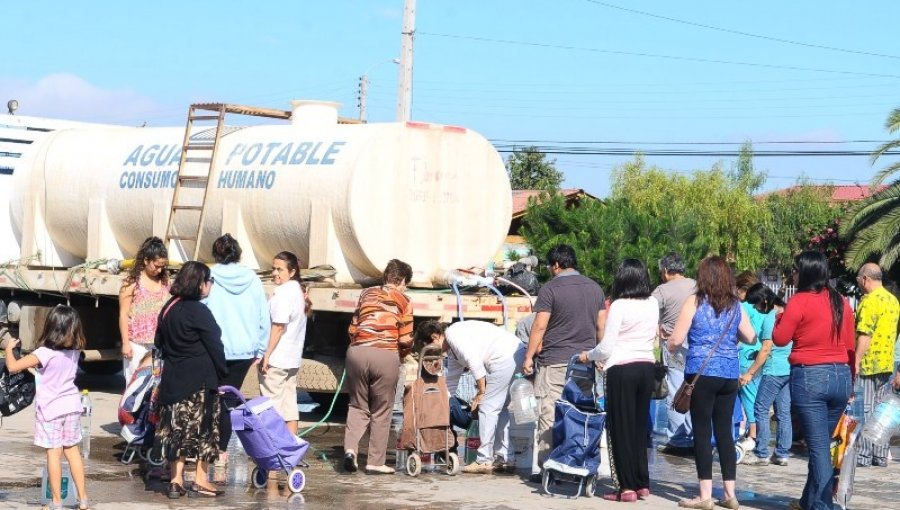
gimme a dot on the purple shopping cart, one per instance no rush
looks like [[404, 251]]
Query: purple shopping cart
[[267, 441]]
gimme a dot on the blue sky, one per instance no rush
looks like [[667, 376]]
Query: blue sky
[[568, 71]]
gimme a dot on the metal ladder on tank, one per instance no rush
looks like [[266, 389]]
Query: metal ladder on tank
[[194, 177]]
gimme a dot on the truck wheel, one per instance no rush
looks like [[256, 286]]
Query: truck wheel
[[321, 375]]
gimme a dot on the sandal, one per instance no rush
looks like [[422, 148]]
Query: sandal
[[176, 490], [204, 492], [83, 504]]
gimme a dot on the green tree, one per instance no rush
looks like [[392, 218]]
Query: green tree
[[795, 217], [529, 168], [873, 226], [745, 172]]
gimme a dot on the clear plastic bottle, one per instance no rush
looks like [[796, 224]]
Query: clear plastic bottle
[[86, 409], [884, 422], [600, 389], [522, 403]]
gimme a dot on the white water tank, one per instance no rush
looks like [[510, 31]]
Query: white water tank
[[350, 195]]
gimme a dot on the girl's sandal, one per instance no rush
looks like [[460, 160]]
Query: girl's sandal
[[84, 505]]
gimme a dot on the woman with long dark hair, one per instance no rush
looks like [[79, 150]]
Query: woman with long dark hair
[[713, 322], [144, 291], [626, 353], [820, 323]]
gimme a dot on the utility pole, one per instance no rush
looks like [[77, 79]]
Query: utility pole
[[363, 90], [404, 84]]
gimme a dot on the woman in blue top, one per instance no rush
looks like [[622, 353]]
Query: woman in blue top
[[772, 363], [713, 313]]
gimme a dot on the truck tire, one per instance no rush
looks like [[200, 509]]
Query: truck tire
[[321, 375]]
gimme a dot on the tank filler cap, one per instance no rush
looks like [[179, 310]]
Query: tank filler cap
[[306, 112]]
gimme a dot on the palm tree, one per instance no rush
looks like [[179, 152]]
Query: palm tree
[[873, 225]]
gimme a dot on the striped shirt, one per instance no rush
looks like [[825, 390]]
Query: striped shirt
[[383, 319]]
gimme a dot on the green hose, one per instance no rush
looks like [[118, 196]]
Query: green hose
[[330, 408]]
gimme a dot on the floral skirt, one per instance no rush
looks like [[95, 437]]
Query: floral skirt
[[190, 428]]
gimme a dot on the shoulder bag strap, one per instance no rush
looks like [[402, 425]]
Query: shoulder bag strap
[[715, 347]]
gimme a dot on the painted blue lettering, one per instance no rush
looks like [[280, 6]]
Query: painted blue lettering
[[251, 154], [223, 179], [241, 179], [164, 155], [333, 149], [131, 178], [176, 156], [300, 153], [311, 160], [149, 154], [261, 179], [270, 180], [123, 179], [270, 146], [236, 151], [283, 154], [251, 179], [134, 156]]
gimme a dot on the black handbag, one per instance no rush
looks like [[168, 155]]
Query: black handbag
[[660, 371], [17, 391]]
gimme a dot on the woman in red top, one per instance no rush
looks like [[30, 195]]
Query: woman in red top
[[820, 322]]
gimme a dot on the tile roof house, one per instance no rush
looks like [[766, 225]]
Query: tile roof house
[[839, 194]]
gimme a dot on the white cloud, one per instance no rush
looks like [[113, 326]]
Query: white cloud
[[67, 96]]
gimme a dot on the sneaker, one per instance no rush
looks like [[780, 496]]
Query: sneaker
[[350, 462], [753, 460], [535, 478], [477, 468], [502, 466], [668, 449], [379, 470], [780, 461], [879, 462]]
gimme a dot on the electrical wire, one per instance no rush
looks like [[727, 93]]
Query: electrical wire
[[742, 33], [652, 55]]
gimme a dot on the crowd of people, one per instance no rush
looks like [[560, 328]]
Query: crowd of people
[[732, 340]]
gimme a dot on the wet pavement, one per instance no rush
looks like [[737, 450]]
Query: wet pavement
[[114, 485]]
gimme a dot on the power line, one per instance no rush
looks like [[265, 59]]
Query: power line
[[739, 32], [620, 142], [653, 55], [600, 151]]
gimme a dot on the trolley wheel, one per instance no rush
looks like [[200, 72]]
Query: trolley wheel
[[296, 480], [590, 486], [453, 465], [259, 477], [413, 464], [155, 457]]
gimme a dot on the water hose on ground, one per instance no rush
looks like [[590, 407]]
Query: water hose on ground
[[337, 392]]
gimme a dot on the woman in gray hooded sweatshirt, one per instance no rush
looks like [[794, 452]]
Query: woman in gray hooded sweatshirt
[[239, 304]]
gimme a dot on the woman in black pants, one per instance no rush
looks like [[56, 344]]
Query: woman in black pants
[[712, 321], [626, 353]]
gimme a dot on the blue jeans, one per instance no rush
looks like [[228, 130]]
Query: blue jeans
[[819, 394], [679, 431], [773, 389]]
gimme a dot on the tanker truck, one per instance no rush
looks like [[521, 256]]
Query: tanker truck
[[342, 195]]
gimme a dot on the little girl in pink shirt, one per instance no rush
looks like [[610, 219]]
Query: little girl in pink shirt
[[57, 426]]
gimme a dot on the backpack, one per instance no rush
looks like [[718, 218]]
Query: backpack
[[17, 391]]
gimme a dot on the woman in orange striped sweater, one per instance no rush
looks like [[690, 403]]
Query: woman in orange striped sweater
[[380, 337]]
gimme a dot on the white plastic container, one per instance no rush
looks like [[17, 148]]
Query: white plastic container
[[86, 409], [522, 403], [352, 196], [67, 488], [885, 420]]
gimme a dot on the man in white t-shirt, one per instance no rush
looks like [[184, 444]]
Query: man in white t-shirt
[[493, 356]]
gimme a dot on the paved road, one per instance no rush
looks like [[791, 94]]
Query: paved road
[[113, 485]]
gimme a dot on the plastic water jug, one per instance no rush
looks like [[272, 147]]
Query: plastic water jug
[[600, 389], [473, 442], [67, 492], [522, 404], [884, 423], [86, 409]]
